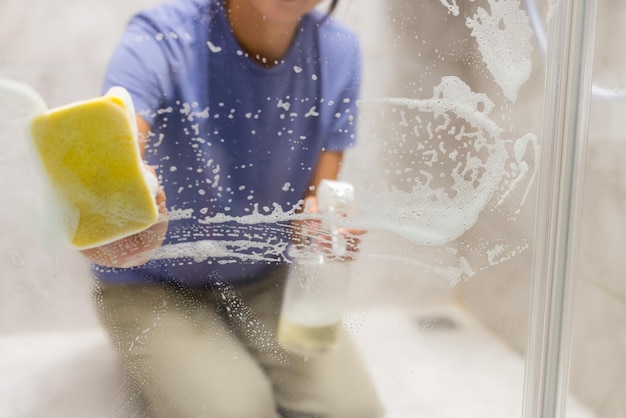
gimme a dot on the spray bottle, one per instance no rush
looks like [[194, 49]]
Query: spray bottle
[[317, 287]]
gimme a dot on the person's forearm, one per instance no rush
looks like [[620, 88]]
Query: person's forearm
[[327, 167]]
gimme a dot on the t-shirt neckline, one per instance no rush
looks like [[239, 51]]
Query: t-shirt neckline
[[238, 49]]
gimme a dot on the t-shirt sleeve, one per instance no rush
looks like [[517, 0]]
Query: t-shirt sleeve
[[139, 64], [341, 71]]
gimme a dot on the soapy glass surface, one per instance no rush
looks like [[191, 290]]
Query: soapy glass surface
[[449, 164], [435, 210], [446, 188]]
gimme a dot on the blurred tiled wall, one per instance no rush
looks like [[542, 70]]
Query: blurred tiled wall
[[61, 49], [498, 296]]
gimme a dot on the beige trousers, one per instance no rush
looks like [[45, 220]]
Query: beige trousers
[[213, 353]]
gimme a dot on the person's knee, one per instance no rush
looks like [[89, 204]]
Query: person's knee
[[210, 408], [370, 409], [247, 404], [247, 399], [362, 408], [358, 402]]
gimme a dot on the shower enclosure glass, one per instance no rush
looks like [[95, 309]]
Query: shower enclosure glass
[[472, 295]]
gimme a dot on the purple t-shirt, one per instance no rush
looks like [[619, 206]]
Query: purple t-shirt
[[231, 137]]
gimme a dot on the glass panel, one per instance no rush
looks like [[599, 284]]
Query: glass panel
[[444, 176], [569, 53]]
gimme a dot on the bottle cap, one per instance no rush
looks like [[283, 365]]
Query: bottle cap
[[334, 195]]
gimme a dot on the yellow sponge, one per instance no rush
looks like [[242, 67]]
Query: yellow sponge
[[90, 154]]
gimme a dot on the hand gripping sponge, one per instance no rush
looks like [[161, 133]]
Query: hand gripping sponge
[[89, 153]]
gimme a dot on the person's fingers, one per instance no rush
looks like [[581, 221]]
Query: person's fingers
[[150, 169], [310, 204], [161, 201], [350, 231]]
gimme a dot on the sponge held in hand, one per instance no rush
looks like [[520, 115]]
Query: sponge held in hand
[[89, 153]]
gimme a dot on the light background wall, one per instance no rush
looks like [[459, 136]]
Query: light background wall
[[61, 48]]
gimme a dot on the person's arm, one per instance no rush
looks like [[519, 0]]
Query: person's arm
[[327, 167], [136, 249]]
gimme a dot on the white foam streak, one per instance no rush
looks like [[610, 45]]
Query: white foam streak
[[504, 37]]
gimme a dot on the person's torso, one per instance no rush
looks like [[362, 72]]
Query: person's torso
[[231, 139]]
